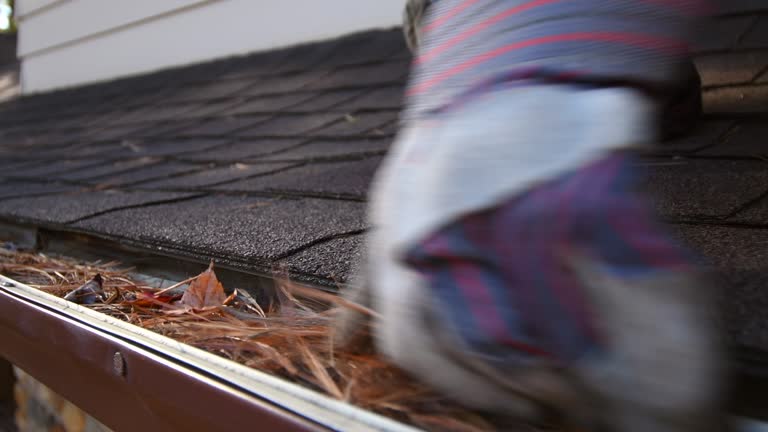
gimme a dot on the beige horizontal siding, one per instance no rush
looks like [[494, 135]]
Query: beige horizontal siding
[[83, 41], [72, 20], [25, 8]]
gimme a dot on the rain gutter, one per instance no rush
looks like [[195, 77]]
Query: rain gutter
[[130, 378]]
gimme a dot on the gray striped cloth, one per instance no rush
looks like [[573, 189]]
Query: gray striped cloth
[[467, 46]]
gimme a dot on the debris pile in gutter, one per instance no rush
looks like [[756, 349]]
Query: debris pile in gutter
[[290, 337]]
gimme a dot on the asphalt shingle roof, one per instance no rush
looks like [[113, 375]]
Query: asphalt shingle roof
[[264, 160], [238, 230]]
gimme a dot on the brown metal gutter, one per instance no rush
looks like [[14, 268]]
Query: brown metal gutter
[[132, 379]]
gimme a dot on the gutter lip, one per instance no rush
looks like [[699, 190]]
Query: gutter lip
[[260, 387]]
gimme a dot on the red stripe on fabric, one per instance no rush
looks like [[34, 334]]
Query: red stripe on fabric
[[672, 46], [510, 235], [521, 346], [574, 296], [477, 296], [693, 7], [518, 234], [480, 27], [470, 224], [448, 15], [568, 75], [468, 281]]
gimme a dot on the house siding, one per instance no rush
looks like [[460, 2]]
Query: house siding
[[65, 43]]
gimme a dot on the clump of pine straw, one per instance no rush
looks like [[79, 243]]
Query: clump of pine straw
[[290, 339]]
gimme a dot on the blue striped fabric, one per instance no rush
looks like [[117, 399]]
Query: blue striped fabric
[[467, 44], [500, 278]]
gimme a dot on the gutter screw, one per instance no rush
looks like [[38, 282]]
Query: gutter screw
[[118, 364]]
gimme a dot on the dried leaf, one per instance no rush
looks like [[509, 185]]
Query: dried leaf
[[205, 292], [157, 299], [88, 293]]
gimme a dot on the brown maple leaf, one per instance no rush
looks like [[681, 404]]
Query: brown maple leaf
[[205, 292]]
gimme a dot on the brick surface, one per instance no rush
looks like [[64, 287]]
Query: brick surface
[[38, 408]]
